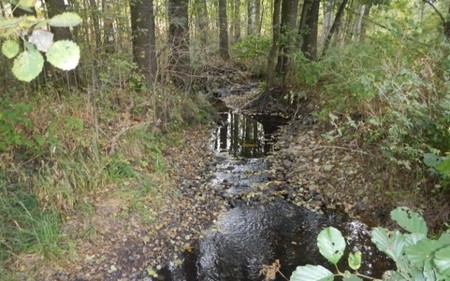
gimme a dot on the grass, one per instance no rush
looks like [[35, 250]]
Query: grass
[[78, 146]]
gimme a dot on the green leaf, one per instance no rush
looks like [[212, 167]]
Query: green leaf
[[391, 243], [442, 261], [42, 39], [409, 220], [444, 167], [64, 54], [354, 260], [421, 252], [311, 273], [28, 65], [66, 19], [413, 238], [10, 48], [331, 244]]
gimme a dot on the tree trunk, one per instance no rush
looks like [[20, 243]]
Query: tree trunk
[[201, 14], [108, 30], [179, 59], [257, 16], [93, 9], [251, 17], [358, 23], [328, 15], [447, 25], [308, 28], [237, 20], [143, 37], [362, 33], [287, 32], [223, 30], [336, 24], [275, 45]]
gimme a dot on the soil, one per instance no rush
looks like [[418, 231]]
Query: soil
[[115, 243]]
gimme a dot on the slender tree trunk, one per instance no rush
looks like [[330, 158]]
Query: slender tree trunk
[[308, 28], [328, 15], [237, 20], [447, 25], [95, 23], [223, 30], [143, 37], [362, 34], [201, 12], [179, 59], [275, 46], [257, 16], [251, 17], [288, 34], [358, 23], [336, 24], [108, 30], [347, 35]]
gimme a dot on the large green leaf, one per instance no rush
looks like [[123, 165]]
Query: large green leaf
[[413, 238], [409, 220], [442, 261], [10, 48], [66, 19], [391, 243], [311, 273], [64, 54], [331, 244], [354, 260], [28, 65], [421, 252]]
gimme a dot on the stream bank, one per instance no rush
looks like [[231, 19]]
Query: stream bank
[[302, 170]]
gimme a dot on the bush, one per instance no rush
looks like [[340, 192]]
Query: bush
[[252, 53]]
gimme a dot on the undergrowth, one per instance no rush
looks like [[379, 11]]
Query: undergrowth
[[57, 149]]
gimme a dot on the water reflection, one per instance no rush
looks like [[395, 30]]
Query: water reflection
[[245, 136]]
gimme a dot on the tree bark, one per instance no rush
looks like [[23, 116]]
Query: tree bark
[[447, 25], [308, 28], [108, 30], [275, 45], [179, 59], [362, 34], [93, 10], [237, 20], [223, 30], [251, 17], [336, 23], [287, 32], [143, 37], [328, 15]]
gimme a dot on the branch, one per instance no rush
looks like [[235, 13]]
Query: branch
[[436, 10]]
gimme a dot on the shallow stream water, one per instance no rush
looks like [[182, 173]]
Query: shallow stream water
[[248, 236]]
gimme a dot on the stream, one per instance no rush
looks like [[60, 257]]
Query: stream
[[255, 232]]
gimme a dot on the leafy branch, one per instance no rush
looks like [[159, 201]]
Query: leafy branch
[[28, 64]]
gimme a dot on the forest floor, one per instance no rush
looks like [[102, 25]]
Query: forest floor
[[114, 242]]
